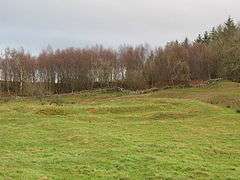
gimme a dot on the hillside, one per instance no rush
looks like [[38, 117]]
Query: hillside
[[173, 133]]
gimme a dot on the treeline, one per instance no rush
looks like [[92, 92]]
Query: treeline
[[215, 54]]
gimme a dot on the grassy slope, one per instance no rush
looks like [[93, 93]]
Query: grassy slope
[[111, 135], [225, 94]]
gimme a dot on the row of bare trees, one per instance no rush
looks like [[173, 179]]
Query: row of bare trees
[[215, 54]]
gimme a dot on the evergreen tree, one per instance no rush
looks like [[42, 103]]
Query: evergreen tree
[[230, 28], [213, 34], [186, 42], [206, 37], [199, 39]]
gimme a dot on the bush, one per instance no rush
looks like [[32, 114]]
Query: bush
[[149, 90], [5, 99]]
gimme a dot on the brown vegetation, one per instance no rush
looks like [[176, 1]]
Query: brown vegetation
[[215, 55]]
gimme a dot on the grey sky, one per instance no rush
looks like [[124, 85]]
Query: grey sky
[[34, 24]]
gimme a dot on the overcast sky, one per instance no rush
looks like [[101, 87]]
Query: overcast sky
[[34, 24]]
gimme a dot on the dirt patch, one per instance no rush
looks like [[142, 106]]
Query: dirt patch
[[92, 110], [53, 111]]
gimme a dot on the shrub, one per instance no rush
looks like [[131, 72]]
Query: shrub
[[5, 99]]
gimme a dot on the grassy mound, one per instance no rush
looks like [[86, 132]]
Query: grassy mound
[[225, 94]]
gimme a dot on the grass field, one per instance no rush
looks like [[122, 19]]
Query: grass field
[[191, 133]]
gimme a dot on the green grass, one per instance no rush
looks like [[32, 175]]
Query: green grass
[[169, 134]]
